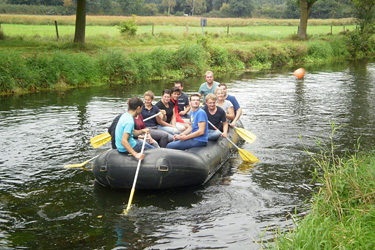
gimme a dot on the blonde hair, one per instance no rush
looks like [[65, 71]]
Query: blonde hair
[[150, 94], [209, 73], [210, 96]]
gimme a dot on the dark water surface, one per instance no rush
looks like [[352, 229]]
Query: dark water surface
[[44, 206]]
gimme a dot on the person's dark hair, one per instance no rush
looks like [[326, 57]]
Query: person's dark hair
[[176, 89], [179, 82], [195, 94], [166, 91], [222, 84], [134, 103]]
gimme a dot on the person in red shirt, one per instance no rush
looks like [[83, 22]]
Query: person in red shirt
[[175, 94], [138, 125]]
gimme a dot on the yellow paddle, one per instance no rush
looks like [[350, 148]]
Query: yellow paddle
[[100, 140], [135, 180], [246, 156], [246, 135], [81, 165]]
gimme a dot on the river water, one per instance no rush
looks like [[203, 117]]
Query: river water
[[45, 206]]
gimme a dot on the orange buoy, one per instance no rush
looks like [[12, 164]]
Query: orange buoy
[[299, 73]]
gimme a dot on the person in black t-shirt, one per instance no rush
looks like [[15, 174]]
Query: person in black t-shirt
[[168, 122], [217, 117]]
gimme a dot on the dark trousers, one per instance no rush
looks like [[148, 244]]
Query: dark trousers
[[161, 136]]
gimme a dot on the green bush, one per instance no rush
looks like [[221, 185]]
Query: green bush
[[162, 61], [144, 67], [179, 13], [35, 9], [359, 43], [116, 67], [339, 47], [129, 27], [191, 59], [319, 50]]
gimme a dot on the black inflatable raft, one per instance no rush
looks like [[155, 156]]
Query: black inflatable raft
[[165, 168]]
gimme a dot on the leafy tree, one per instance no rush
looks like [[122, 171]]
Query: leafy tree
[[225, 10], [170, 4], [68, 3], [196, 6], [365, 14], [324, 9], [131, 6], [27, 2], [51, 2], [99, 6], [150, 9], [359, 38], [217, 4], [241, 8]]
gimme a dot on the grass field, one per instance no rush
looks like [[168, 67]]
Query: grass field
[[275, 32], [171, 20]]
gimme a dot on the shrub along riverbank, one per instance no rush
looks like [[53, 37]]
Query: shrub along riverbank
[[342, 212], [34, 64]]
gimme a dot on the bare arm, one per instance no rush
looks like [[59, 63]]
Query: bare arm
[[187, 109], [137, 132], [162, 122], [230, 114], [225, 129], [125, 143], [238, 115], [173, 120], [199, 132]]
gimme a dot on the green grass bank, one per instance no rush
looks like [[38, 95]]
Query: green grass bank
[[36, 62], [342, 212]]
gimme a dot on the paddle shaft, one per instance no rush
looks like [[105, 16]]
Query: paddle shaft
[[148, 118], [135, 178], [84, 163], [96, 156], [222, 133]]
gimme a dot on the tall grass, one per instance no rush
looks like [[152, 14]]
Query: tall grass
[[30, 73], [65, 64], [170, 20], [343, 211]]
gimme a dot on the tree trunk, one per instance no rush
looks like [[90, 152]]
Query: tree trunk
[[79, 36], [305, 7]]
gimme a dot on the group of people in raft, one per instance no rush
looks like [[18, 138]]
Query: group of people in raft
[[174, 127]]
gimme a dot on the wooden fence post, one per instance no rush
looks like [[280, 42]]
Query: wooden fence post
[[228, 29], [187, 29], [331, 29], [153, 29], [57, 30]]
